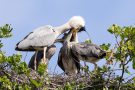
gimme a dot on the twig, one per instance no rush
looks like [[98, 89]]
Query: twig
[[111, 73], [122, 63]]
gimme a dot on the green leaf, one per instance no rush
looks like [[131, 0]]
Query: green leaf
[[1, 44], [68, 86], [2, 58], [133, 63], [115, 29], [105, 46], [35, 83], [41, 69], [5, 31], [88, 41]]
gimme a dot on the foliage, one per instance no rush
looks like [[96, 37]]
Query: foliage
[[15, 74], [5, 31]]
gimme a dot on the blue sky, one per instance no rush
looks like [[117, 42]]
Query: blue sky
[[26, 15]]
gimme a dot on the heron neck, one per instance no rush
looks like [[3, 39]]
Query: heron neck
[[68, 38], [63, 28], [74, 37]]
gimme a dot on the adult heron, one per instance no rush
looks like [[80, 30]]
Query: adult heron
[[69, 63], [45, 36], [49, 53]]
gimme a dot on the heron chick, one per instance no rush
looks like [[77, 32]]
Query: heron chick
[[88, 52], [69, 63]]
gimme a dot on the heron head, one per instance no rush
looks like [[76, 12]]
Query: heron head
[[77, 23], [102, 54]]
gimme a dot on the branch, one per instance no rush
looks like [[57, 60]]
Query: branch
[[122, 63]]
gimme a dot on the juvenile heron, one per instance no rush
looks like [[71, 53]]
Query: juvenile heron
[[78, 51], [45, 36], [69, 63], [88, 52], [49, 53]]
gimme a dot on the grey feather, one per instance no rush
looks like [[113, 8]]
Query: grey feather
[[41, 37], [88, 52], [85, 49], [66, 60]]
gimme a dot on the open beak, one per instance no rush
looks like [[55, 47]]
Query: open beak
[[74, 34]]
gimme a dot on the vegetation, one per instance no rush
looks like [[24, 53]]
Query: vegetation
[[15, 74]]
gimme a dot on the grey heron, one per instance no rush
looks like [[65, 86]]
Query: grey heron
[[45, 36], [88, 52], [69, 63], [74, 51], [49, 53]]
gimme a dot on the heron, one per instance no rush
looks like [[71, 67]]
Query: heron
[[49, 53], [88, 52], [69, 63], [45, 36], [77, 51]]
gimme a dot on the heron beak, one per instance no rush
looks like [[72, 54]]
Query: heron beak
[[74, 32], [82, 29], [102, 54]]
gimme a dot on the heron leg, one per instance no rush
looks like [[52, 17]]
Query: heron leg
[[44, 58], [35, 61]]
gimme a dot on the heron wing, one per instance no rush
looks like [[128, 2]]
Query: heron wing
[[43, 36], [85, 49], [50, 51], [76, 61], [68, 61], [43, 30], [60, 63]]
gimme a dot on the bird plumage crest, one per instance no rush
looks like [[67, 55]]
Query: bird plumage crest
[[76, 21]]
